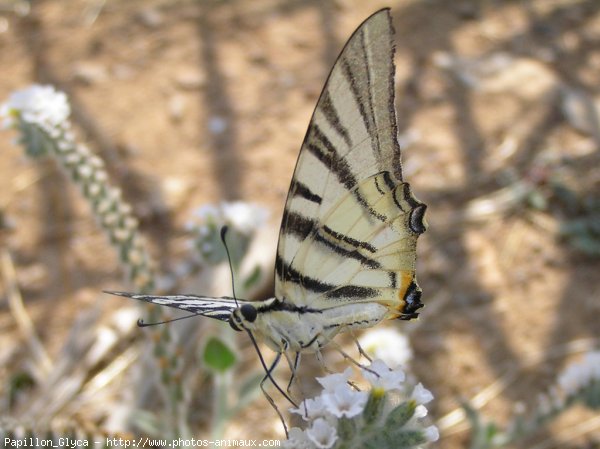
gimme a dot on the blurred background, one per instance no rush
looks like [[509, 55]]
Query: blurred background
[[190, 103]]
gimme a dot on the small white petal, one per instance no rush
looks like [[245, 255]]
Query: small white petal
[[311, 409], [331, 381], [322, 434], [421, 394], [579, 375], [420, 411], [96, 162], [101, 176], [432, 433], [85, 171], [125, 208], [381, 376], [72, 159], [387, 344], [297, 439], [64, 146], [94, 189], [110, 219], [344, 401]]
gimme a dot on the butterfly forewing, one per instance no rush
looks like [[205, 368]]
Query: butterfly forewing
[[218, 308], [350, 223]]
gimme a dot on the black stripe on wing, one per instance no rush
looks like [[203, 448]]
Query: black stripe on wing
[[348, 239], [331, 114], [303, 227], [289, 274], [364, 102], [299, 189], [296, 224], [322, 148], [352, 254], [319, 145], [217, 308]]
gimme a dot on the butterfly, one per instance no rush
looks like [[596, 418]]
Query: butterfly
[[347, 246]]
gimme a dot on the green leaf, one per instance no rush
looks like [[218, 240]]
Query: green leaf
[[374, 407], [386, 438], [399, 416], [379, 441], [409, 438], [218, 356], [346, 428]]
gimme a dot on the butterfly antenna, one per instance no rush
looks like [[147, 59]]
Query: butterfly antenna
[[141, 323], [224, 230]]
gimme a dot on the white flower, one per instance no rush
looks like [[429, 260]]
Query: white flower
[[40, 105], [245, 217], [380, 375], [420, 411], [344, 401], [387, 344], [432, 433], [579, 375], [331, 381], [322, 434], [298, 439], [421, 394], [311, 409]]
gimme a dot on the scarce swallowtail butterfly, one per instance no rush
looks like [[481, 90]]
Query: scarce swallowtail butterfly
[[347, 245]]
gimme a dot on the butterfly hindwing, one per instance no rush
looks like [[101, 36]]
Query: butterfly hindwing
[[350, 223]]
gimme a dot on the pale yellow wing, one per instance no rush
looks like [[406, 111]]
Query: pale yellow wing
[[350, 223]]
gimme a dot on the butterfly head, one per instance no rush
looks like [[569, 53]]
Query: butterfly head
[[242, 316]]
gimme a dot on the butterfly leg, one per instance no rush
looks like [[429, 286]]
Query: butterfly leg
[[319, 357], [351, 359], [293, 368], [268, 396], [361, 351]]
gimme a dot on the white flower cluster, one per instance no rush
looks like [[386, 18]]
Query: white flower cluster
[[339, 401], [244, 217], [578, 381], [41, 115], [387, 344], [578, 376], [43, 106]]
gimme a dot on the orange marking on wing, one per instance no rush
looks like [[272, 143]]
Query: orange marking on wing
[[406, 278]]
